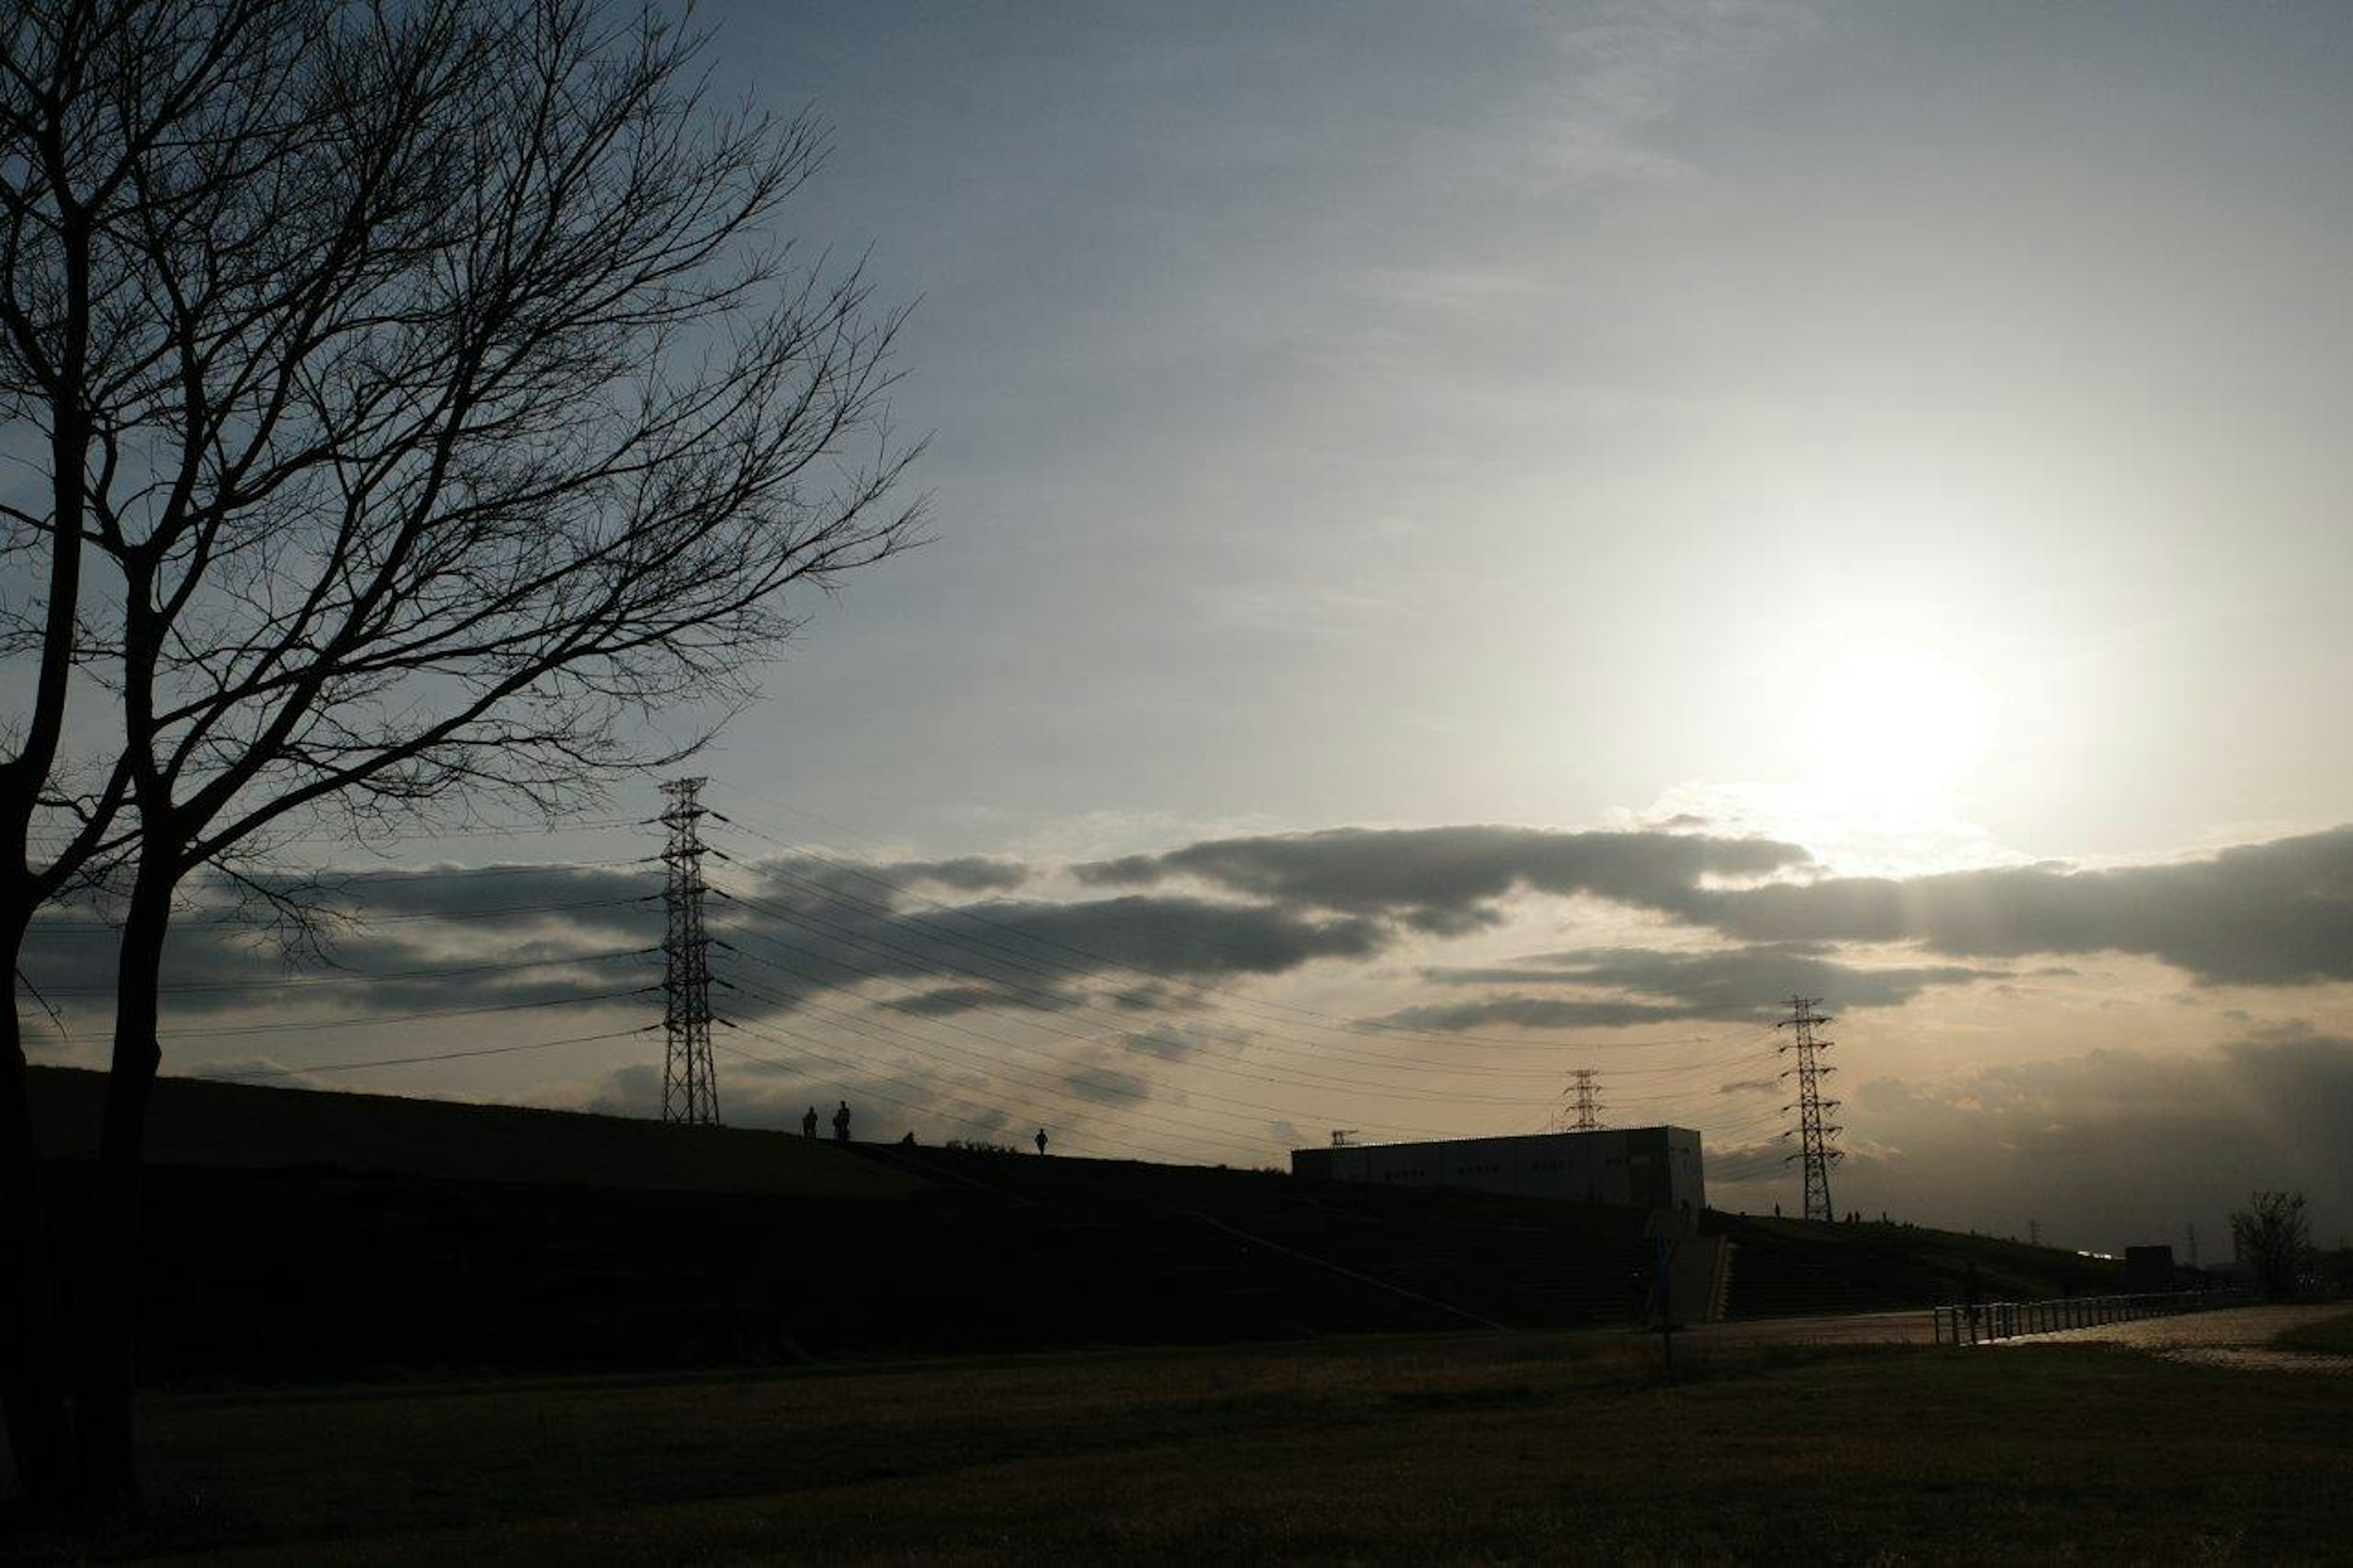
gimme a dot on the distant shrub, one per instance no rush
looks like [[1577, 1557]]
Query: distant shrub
[[2273, 1236]]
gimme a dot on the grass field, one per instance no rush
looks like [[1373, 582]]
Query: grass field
[[2333, 1336], [1424, 1447]]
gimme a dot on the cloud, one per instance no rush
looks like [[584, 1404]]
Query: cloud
[[889, 883], [2087, 1145], [387, 940], [1100, 1081], [945, 1000], [1732, 982], [1447, 880], [1627, 68], [435, 938], [1524, 1012], [1152, 996], [2112, 1147], [804, 938], [966, 874], [430, 938], [2261, 915]]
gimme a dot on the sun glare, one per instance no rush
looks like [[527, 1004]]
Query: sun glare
[[1898, 729]]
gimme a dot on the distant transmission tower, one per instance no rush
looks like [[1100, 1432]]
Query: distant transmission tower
[[1589, 1105], [1813, 1133], [690, 1088]]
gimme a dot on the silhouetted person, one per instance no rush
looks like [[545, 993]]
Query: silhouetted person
[[908, 1141], [841, 1124], [1777, 1211], [809, 1124], [1041, 1139]]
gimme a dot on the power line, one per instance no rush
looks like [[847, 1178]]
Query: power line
[[406, 1017], [338, 877], [993, 1124], [1236, 999], [998, 1064], [1290, 1078], [363, 977], [934, 963], [1122, 1034], [1038, 999], [903, 1038], [435, 1057], [1043, 996], [1065, 1095], [375, 835], [106, 928]]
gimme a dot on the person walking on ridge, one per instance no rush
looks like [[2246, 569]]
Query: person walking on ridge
[[1041, 1139], [841, 1124], [809, 1124]]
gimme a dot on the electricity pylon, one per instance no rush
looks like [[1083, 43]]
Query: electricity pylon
[[1588, 1107], [1813, 1133], [689, 1086]]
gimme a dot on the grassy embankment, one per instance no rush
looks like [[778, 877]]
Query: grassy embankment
[[1409, 1448]]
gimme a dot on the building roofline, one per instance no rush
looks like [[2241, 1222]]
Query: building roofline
[[1492, 1138]]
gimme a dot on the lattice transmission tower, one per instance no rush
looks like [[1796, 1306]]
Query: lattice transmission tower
[[689, 1086], [1588, 1106], [1814, 1134]]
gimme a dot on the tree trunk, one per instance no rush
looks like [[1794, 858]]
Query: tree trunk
[[32, 1401], [104, 1406]]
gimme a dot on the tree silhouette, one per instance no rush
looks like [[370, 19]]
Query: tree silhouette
[[2273, 1236], [428, 409]]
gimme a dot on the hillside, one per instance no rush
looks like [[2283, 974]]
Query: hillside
[[1564, 1261], [1787, 1266], [205, 1123], [294, 1233]]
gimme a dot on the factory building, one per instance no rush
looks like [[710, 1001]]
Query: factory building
[[1648, 1167]]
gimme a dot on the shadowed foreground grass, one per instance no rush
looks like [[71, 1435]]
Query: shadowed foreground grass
[[2332, 1336], [1422, 1447]]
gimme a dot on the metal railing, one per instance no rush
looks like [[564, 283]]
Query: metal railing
[[1965, 1324]]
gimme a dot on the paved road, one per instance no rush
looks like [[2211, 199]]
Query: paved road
[[2238, 1336], [1911, 1327], [2233, 1336]]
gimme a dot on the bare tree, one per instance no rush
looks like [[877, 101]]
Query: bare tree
[[448, 415], [2273, 1236]]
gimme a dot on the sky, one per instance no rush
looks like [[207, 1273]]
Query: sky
[[1472, 540]]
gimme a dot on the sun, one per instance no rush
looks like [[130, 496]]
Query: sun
[[1898, 730]]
